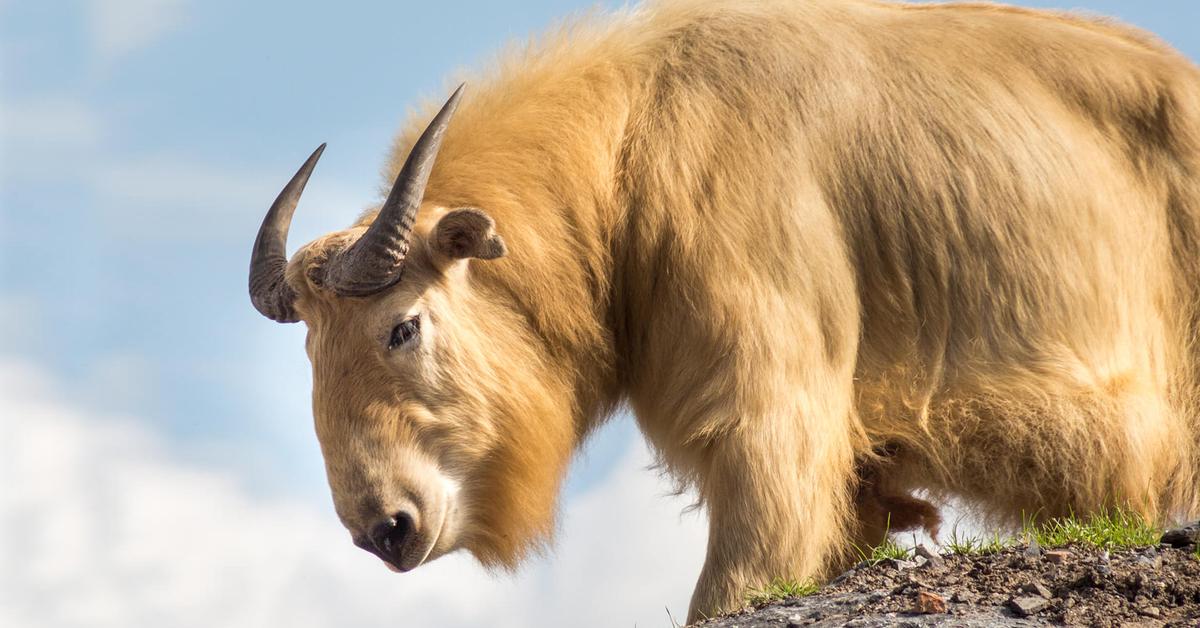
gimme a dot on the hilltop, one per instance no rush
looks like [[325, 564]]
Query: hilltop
[[1079, 583]]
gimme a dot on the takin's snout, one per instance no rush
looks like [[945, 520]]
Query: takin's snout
[[391, 539]]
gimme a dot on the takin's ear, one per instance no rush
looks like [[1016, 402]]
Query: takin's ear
[[466, 233]]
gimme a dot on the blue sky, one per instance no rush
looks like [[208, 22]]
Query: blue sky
[[141, 142]]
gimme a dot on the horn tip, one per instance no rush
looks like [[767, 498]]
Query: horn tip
[[311, 162]]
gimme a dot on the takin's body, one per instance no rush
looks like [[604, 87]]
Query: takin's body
[[831, 252]]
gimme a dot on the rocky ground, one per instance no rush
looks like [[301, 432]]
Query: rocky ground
[[1019, 586]]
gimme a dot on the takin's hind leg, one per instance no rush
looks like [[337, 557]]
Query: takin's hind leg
[[884, 506], [1059, 454]]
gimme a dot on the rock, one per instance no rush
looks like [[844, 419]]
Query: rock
[[1144, 581], [1057, 557], [899, 565], [842, 578], [935, 560], [920, 561], [1150, 611], [1037, 588], [912, 577], [1027, 605], [1183, 537], [929, 603], [1146, 561], [965, 597]]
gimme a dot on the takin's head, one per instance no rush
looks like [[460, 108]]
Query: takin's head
[[431, 395]]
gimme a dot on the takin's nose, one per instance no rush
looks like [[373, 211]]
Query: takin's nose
[[387, 538]]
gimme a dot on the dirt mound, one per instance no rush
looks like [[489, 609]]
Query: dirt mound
[[1020, 586]]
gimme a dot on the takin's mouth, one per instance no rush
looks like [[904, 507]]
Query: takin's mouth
[[394, 560], [421, 548], [398, 562]]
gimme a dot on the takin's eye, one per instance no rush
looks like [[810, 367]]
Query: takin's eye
[[405, 332]]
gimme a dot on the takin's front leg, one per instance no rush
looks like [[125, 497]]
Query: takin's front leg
[[778, 500]]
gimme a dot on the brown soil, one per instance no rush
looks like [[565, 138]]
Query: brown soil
[[1155, 586]]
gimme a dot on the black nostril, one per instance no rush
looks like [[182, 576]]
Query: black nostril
[[390, 534]]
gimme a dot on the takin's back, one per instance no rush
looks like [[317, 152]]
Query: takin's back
[[1016, 195], [974, 155]]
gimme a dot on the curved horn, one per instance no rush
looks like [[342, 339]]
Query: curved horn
[[269, 291], [374, 263]]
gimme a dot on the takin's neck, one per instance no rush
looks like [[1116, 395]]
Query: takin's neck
[[574, 147], [539, 149]]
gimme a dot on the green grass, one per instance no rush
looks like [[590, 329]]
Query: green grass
[[1113, 529], [885, 550], [780, 589], [976, 545]]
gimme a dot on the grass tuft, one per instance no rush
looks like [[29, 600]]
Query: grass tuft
[[1113, 529], [780, 589], [976, 545], [885, 550]]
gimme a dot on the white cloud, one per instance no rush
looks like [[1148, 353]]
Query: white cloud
[[99, 527], [119, 27]]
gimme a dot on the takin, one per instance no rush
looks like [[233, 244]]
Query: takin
[[830, 254]]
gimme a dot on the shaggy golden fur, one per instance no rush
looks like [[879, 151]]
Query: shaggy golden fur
[[829, 251]]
